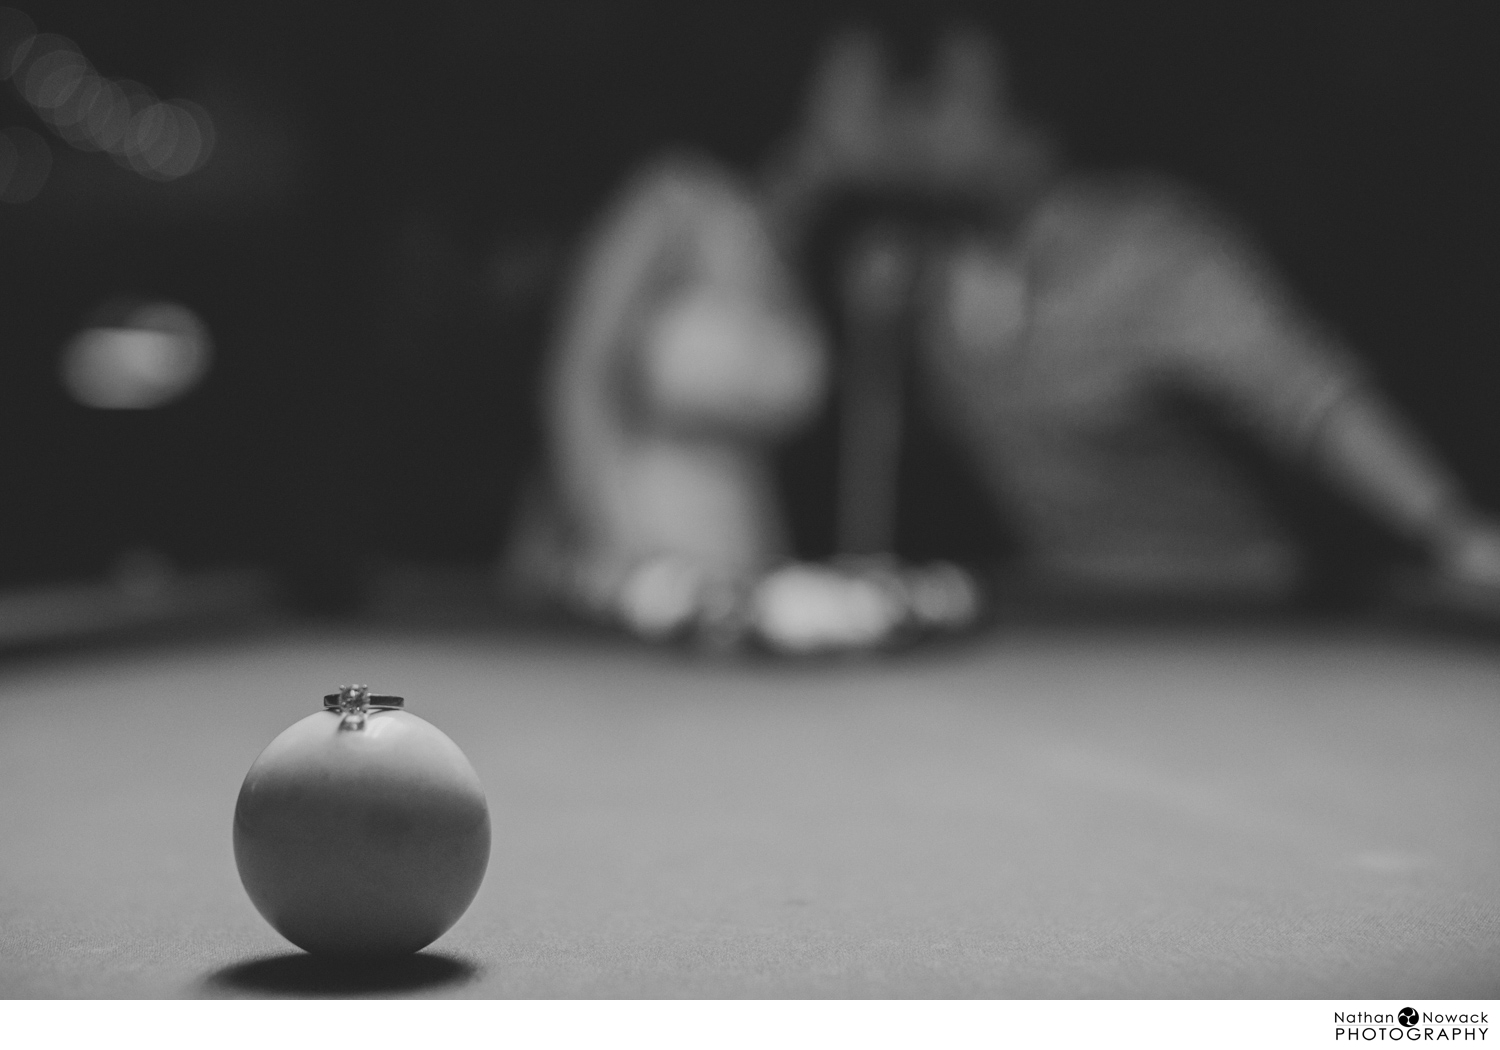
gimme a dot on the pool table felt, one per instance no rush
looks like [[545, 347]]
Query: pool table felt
[[1050, 812]]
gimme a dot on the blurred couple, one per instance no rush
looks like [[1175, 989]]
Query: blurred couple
[[1081, 340]]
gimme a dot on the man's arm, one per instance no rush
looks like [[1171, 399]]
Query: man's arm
[[1239, 336], [1373, 454]]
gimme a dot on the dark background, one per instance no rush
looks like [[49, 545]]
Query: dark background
[[376, 241]]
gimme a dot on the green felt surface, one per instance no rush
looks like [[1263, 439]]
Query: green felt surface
[[1041, 813]]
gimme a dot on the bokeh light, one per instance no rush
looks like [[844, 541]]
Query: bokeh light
[[109, 120], [195, 139], [159, 353], [159, 140], [69, 118], [54, 69]]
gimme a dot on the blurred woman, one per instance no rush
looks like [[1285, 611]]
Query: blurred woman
[[685, 351]]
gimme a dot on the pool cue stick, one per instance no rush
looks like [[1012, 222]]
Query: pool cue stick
[[878, 292]]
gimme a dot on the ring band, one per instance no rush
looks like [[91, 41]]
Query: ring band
[[374, 701]]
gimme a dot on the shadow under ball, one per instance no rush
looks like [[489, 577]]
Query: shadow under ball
[[362, 833]]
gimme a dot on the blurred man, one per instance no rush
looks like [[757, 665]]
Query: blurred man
[[1079, 332]]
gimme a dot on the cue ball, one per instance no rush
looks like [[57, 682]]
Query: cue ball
[[361, 831]]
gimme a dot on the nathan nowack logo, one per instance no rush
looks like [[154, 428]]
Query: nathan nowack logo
[[1411, 1025]]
